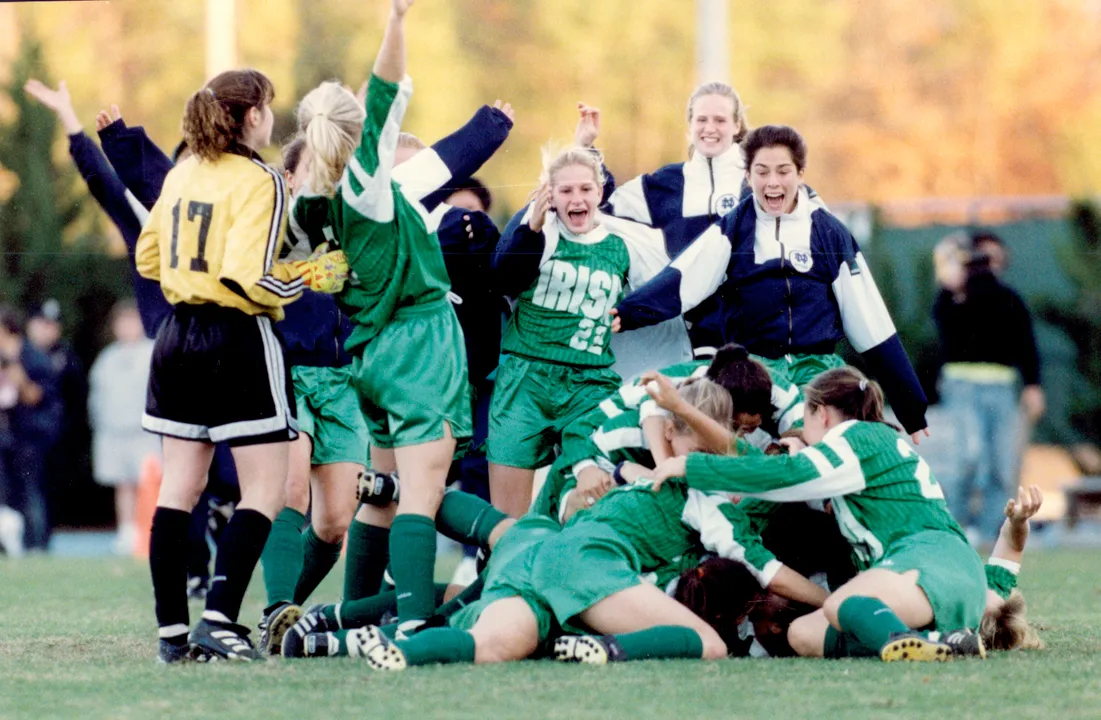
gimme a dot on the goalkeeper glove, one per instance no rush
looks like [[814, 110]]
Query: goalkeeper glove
[[324, 271]]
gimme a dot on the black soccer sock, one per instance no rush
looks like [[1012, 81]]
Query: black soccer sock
[[168, 566], [238, 552]]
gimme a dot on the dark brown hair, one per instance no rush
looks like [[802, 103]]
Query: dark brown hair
[[768, 136], [850, 391], [292, 153], [721, 592], [747, 381], [214, 120]]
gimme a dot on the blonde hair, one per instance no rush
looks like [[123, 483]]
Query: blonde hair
[[708, 397], [1007, 628], [555, 159], [722, 90], [331, 119]]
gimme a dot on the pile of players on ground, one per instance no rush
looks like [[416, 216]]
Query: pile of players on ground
[[746, 500]]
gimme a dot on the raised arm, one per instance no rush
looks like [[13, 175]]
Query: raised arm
[[140, 164], [390, 62], [691, 278], [523, 247], [425, 176]]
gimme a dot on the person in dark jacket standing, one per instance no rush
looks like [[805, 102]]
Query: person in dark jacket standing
[[991, 368]]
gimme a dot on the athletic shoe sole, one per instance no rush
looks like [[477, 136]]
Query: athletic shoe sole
[[278, 625], [580, 649], [915, 649]]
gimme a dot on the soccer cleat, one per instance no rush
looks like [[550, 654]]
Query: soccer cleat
[[275, 625], [378, 488], [170, 653], [211, 641], [315, 620], [933, 646], [323, 644], [375, 648], [965, 643], [588, 649]]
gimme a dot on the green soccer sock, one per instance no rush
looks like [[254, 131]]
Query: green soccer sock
[[868, 624], [438, 645], [469, 594], [664, 641], [318, 558], [413, 550], [467, 518], [842, 644], [369, 610], [282, 556], [367, 557]]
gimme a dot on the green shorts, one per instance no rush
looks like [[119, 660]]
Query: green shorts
[[329, 412], [533, 401], [950, 572], [509, 574], [411, 378], [581, 566], [800, 368]]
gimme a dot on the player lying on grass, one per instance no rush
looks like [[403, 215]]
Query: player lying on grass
[[588, 576], [917, 570], [1003, 625]]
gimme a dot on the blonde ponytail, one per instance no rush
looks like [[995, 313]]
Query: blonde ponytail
[[331, 120]]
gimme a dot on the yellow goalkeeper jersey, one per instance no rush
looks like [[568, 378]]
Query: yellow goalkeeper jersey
[[214, 236]]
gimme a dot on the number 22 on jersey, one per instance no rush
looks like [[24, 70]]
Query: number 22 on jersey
[[930, 488]]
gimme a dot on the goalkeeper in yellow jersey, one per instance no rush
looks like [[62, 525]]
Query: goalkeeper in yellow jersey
[[218, 371]]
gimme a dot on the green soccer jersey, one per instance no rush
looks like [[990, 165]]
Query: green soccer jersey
[[563, 317], [676, 522], [881, 490], [388, 237]]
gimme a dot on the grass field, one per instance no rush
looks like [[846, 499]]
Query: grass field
[[77, 641]]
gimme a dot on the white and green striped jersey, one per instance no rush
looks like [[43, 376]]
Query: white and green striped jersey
[[1001, 576], [665, 526], [787, 399], [880, 489]]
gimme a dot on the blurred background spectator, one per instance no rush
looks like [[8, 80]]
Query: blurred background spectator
[[67, 462], [116, 401], [989, 379], [30, 414]]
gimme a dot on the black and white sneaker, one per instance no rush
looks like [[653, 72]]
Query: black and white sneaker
[[275, 624], [170, 653], [932, 646], [588, 649], [376, 649], [323, 644], [222, 641], [378, 488], [314, 620]]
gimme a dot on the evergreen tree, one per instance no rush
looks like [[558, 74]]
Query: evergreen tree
[[1080, 318]]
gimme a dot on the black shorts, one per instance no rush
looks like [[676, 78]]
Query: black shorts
[[219, 375]]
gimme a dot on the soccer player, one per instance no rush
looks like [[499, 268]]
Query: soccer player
[[329, 454], [917, 569], [792, 279], [406, 343], [567, 266], [683, 199], [218, 371]]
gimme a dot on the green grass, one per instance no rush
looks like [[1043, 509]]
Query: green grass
[[77, 641]]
